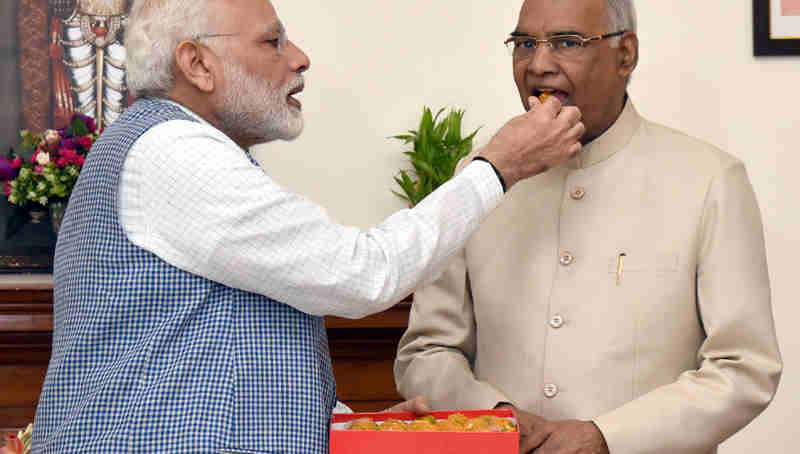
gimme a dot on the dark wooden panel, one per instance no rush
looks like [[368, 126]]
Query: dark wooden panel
[[362, 353], [371, 405], [394, 317], [21, 385], [365, 380]]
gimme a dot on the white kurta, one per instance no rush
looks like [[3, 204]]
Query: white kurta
[[670, 351]]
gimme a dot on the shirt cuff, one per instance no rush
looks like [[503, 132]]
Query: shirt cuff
[[483, 177], [341, 408]]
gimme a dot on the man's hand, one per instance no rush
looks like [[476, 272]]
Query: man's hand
[[533, 429], [417, 405], [573, 437], [540, 436], [536, 141]]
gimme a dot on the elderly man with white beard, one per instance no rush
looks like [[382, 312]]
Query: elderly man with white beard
[[190, 287]]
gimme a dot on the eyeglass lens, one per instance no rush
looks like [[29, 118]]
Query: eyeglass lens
[[523, 47]]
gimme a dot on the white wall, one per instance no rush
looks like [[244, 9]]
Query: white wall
[[375, 64]]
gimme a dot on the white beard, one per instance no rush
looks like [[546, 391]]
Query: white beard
[[254, 109]]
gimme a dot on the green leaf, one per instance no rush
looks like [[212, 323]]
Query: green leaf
[[438, 146], [78, 128]]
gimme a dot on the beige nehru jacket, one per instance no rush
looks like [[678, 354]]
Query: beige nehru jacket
[[670, 351]]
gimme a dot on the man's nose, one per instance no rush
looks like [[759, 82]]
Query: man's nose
[[543, 61], [299, 61]]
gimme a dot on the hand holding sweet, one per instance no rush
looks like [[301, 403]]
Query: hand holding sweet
[[417, 405]]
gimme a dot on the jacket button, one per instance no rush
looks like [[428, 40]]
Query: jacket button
[[577, 193], [550, 390], [557, 321], [566, 258]]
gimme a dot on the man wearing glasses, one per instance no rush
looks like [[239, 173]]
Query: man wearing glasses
[[619, 302]]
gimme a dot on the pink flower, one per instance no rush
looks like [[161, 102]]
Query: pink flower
[[81, 159], [16, 162], [85, 142], [69, 156], [38, 170], [36, 155], [7, 188], [61, 162], [13, 445]]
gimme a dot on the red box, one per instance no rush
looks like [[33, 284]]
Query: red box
[[388, 442]]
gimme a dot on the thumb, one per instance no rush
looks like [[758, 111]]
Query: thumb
[[533, 101]]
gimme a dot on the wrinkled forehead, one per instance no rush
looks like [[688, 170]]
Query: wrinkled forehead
[[558, 16]]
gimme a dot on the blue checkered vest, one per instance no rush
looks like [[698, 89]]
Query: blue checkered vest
[[148, 358]]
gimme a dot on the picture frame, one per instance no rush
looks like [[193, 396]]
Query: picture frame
[[765, 42]]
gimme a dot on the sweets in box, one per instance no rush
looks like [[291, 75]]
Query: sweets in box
[[446, 432]]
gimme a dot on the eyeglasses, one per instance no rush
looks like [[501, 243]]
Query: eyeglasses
[[280, 42], [523, 46], [214, 35]]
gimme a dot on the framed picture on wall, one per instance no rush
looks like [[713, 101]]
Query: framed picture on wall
[[57, 58], [776, 27]]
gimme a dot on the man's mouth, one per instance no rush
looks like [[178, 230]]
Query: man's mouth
[[560, 94], [291, 100]]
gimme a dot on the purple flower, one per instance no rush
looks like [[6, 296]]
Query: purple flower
[[7, 171], [64, 133], [70, 144]]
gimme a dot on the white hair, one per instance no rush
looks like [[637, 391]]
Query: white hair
[[154, 30], [621, 16]]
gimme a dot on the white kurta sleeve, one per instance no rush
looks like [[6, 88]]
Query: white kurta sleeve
[[205, 208]]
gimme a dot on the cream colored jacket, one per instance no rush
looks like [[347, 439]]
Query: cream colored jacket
[[628, 287]]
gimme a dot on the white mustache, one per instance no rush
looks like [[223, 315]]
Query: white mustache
[[298, 82]]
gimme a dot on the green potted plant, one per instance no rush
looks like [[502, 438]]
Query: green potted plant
[[438, 146]]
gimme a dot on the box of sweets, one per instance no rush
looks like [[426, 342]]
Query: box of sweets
[[441, 432]]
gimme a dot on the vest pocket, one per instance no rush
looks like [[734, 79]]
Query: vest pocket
[[632, 262]]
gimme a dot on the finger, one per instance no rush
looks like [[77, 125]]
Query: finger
[[577, 131], [551, 445], [574, 149], [533, 441], [418, 406], [570, 114], [533, 101], [552, 105]]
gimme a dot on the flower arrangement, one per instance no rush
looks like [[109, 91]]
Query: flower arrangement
[[438, 147], [47, 165]]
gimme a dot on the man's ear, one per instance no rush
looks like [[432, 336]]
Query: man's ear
[[195, 64], [627, 54]]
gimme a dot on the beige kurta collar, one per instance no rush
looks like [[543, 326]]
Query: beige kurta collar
[[611, 141]]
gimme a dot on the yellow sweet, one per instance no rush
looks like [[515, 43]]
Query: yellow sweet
[[446, 425], [543, 97], [394, 425], [456, 422], [363, 424], [422, 425], [457, 418], [478, 424]]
